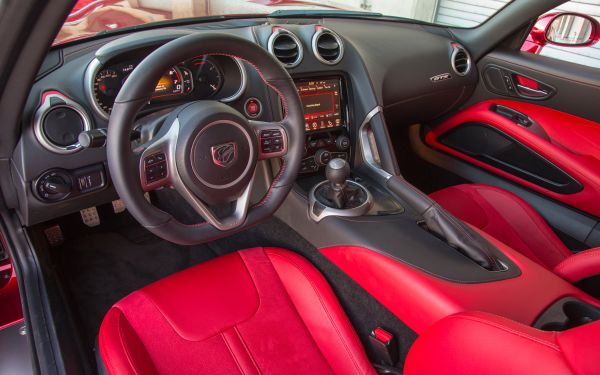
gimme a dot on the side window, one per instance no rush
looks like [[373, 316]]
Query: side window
[[569, 32]]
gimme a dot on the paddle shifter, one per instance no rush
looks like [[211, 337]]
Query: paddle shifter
[[338, 196]]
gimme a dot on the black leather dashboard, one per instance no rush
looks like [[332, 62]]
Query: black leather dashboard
[[387, 64]]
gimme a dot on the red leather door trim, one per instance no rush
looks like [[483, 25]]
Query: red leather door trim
[[11, 310], [419, 299], [573, 146]]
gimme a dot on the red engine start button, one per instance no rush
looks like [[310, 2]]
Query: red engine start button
[[253, 107]]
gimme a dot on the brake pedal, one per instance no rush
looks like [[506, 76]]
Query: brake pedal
[[90, 217]]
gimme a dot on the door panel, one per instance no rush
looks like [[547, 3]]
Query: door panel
[[10, 301], [577, 87], [554, 153]]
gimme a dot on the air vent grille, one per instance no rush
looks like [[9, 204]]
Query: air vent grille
[[327, 46], [461, 60], [286, 47]]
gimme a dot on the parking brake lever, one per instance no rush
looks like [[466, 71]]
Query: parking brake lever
[[446, 226]]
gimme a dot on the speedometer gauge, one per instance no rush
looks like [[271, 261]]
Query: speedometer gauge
[[106, 87], [208, 78]]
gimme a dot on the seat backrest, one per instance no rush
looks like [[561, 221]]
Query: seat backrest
[[487, 344]]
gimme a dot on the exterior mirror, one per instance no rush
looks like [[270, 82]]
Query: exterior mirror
[[569, 29], [562, 29]]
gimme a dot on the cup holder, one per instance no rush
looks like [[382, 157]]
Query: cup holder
[[567, 313]]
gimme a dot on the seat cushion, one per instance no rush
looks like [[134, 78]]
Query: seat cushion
[[481, 343], [257, 311], [506, 217]]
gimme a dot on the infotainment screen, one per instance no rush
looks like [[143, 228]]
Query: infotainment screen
[[321, 100]]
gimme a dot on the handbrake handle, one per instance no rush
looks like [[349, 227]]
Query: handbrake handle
[[446, 226]]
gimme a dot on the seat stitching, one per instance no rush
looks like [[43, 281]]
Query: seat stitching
[[168, 321], [237, 363], [237, 331], [323, 305], [509, 330], [566, 358], [108, 362], [125, 349]]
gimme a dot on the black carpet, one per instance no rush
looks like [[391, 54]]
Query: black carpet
[[99, 266]]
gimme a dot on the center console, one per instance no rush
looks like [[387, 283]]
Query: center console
[[326, 121]]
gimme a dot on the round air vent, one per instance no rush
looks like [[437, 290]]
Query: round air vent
[[58, 122], [460, 60], [286, 47], [327, 46]]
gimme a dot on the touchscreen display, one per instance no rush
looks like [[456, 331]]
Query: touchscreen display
[[322, 103]]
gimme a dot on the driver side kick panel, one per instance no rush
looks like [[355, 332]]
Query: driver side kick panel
[[549, 151]]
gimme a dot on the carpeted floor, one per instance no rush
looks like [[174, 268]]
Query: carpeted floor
[[101, 265]]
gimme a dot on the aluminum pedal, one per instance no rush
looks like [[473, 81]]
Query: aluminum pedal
[[54, 235], [118, 206], [90, 217]]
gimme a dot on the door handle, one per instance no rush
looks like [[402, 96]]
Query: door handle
[[531, 93]]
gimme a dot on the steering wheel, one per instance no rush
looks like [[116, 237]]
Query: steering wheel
[[205, 150]]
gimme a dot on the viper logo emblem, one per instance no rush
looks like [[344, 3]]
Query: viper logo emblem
[[224, 154], [440, 77]]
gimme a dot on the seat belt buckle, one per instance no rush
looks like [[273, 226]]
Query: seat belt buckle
[[385, 346]]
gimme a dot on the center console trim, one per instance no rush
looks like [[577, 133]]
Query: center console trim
[[365, 145], [330, 211]]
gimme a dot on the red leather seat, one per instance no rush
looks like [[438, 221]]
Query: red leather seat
[[481, 343], [510, 219], [258, 311]]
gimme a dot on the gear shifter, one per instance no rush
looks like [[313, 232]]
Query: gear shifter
[[338, 196], [337, 171]]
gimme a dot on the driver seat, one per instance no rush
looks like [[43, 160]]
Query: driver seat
[[257, 311]]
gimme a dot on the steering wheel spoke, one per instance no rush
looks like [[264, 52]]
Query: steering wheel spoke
[[272, 139], [156, 164], [236, 219]]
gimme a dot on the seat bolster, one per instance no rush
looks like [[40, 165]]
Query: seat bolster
[[581, 347], [121, 349], [321, 312], [482, 343], [580, 266], [506, 217]]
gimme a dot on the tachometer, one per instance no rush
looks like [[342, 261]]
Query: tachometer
[[208, 78], [106, 87]]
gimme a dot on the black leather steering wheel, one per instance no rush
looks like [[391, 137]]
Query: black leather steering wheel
[[206, 150]]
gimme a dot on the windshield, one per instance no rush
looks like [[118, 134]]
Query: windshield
[[90, 17]]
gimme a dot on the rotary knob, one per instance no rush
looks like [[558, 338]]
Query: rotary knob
[[322, 157], [54, 185], [342, 143]]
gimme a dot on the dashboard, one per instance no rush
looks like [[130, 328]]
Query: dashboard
[[340, 73]]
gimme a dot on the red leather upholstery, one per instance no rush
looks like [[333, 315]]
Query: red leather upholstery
[[420, 299], [574, 148], [579, 266], [480, 343], [506, 217], [258, 311]]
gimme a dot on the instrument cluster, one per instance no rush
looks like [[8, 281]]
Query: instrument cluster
[[205, 77]]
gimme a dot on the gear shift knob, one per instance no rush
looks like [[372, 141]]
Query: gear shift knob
[[337, 171]]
